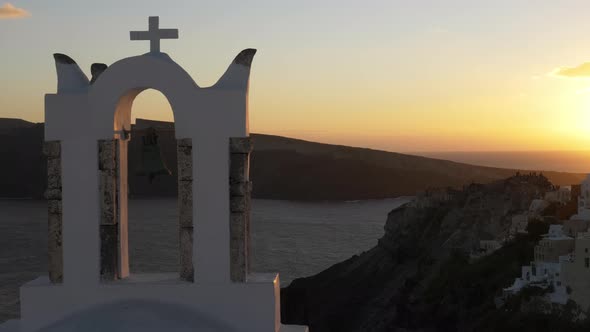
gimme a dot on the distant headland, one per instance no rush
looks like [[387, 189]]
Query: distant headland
[[281, 168]]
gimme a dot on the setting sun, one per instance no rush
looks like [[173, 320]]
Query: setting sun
[[295, 166], [436, 82]]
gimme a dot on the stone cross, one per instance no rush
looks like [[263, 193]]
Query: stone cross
[[154, 34]]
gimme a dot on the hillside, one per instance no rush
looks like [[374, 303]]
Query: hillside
[[281, 168], [357, 173], [419, 277], [23, 167]]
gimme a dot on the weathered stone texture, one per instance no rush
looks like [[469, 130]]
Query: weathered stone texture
[[185, 163], [238, 247], [52, 149], [185, 207], [186, 254], [107, 154], [245, 57], [248, 243], [96, 70], [239, 167], [240, 188], [109, 239], [62, 58], [240, 145], [240, 204], [185, 203], [55, 207], [55, 248], [53, 194], [54, 173], [108, 198], [184, 142]]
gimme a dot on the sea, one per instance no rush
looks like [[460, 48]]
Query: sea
[[559, 161], [296, 239]]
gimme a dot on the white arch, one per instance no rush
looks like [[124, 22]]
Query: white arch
[[103, 107], [81, 113], [112, 95]]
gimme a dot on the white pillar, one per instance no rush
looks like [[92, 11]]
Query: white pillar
[[211, 209], [81, 212]]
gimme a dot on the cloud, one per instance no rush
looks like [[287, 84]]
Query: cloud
[[581, 71], [9, 11]]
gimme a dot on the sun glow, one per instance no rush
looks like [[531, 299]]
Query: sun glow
[[581, 117]]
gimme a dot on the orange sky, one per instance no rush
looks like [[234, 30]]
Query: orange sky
[[394, 75]]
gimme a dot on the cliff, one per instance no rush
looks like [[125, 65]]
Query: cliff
[[281, 168], [419, 278]]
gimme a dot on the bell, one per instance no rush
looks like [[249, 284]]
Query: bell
[[152, 163]]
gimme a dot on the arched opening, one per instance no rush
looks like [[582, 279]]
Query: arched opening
[[142, 224], [152, 174], [209, 116]]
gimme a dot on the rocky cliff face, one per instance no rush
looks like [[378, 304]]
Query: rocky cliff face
[[418, 277]]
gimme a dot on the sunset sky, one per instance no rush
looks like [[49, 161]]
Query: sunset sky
[[393, 75]]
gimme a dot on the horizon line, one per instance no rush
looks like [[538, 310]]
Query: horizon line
[[410, 152]]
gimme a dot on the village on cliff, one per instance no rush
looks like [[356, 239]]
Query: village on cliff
[[561, 264]]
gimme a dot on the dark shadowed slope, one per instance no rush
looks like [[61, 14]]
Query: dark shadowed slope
[[22, 165], [344, 172], [419, 277], [281, 168]]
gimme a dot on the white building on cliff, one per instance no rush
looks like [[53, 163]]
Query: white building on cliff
[[562, 257], [583, 201]]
